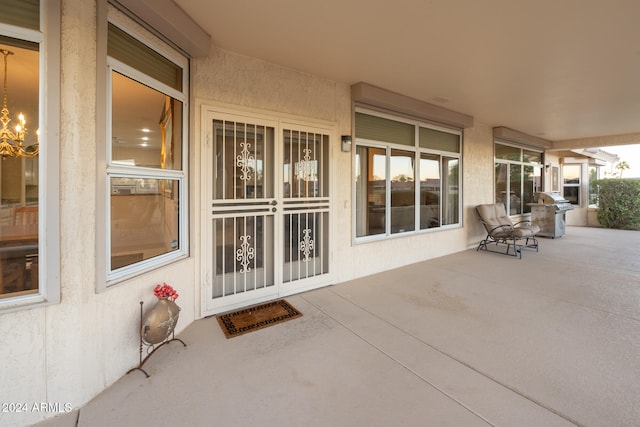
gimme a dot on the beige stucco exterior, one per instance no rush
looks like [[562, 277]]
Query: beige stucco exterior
[[69, 352]]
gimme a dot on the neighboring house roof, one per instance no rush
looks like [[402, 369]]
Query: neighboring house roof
[[598, 154]]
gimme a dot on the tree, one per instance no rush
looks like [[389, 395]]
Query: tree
[[622, 166], [402, 178]]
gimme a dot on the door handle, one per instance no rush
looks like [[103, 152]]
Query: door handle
[[274, 210], [274, 202]]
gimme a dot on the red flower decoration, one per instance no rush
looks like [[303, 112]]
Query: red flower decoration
[[165, 291]]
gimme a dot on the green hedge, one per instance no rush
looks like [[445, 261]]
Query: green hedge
[[619, 203]]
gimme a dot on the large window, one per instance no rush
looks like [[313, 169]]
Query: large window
[[407, 176], [28, 147], [146, 176], [518, 176]]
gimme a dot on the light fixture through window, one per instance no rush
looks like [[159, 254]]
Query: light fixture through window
[[11, 142]]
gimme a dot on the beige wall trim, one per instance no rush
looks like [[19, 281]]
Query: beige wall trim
[[364, 93], [168, 19], [507, 134], [598, 141]]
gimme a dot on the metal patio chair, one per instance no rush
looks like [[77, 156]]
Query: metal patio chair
[[501, 231]]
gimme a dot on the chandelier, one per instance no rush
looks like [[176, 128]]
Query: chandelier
[[11, 142]]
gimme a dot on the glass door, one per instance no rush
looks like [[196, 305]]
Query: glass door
[[243, 208], [266, 230], [305, 228]]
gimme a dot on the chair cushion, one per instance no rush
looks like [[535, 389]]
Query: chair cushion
[[494, 215], [526, 230]]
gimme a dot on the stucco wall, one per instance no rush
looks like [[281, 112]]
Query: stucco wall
[[69, 352], [240, 81], [478, 182]]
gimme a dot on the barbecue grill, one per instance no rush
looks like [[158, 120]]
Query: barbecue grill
[[549, 213]]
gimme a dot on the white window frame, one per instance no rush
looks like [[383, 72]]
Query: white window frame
[[598, 169], [579, 185], [49, 158], [417, 150], [515, 162], [107, 169]]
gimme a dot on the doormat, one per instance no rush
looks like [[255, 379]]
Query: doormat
[[257, 317]]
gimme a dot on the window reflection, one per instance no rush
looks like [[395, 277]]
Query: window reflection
[[429, 191], [144, 219], [571, 175], [19, 177], [305, 157], [146, 126], [146, 168], [371, 184], [515, 193], [517, 182], [451, 190], [532, 184], [243, 163], [403, 199], [19, 249], [393, 169]]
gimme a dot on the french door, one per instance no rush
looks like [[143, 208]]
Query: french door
[[266, 231]]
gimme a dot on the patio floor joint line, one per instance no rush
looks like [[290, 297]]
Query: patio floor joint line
[[489, 377], [401, 364]]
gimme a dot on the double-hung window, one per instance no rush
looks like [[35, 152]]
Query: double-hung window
[[29, 131], [518, 176], [571, 182], [146, 155], [407, 176]]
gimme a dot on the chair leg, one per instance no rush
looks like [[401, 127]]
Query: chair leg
[[517, 249], [509, 242], [483, 244]]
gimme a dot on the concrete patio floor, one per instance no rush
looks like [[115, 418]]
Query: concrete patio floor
[[468, 339]]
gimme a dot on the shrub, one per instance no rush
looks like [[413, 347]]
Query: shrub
[[619, 203]]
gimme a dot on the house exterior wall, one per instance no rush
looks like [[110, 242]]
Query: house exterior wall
[[579, 215], [553, 160], [69, 352], [248, 83], [592, 218], [478, 180]]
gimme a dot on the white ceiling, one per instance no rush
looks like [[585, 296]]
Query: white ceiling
[[557, 69]]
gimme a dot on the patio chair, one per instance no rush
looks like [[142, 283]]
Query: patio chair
[[501, 231]]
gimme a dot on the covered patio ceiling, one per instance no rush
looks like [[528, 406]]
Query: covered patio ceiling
[[555, 70]]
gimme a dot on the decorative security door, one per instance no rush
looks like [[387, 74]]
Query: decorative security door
[[267, 228], [305, 209]]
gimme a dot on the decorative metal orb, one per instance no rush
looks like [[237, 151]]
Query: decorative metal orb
[[159, 322]]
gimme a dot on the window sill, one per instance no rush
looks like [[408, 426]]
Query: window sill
[[131, 272], [384, 237], [12, 304]]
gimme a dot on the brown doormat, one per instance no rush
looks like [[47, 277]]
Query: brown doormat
[[257, 317]]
